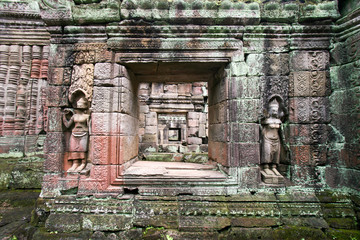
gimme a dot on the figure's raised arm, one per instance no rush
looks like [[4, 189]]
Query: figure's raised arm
[[68, 119]]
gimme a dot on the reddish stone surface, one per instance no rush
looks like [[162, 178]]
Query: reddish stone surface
[[301, 155], [218, 152], [244, 154], [54, 162]]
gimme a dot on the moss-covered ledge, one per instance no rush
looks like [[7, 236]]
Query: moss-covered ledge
[[289, 214]]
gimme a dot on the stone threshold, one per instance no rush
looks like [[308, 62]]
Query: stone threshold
[[155, 171]]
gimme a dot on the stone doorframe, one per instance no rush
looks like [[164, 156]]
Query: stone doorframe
[[114, 113]]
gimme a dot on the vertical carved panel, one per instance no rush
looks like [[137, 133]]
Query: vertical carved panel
[[309, 84]]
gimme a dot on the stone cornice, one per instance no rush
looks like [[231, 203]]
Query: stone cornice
[[186, 12]]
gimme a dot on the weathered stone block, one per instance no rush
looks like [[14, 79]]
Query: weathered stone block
[[319, 11], [151, 130], [105, 123], [313, 222], [165, 221], [112, 82], [248, 233], [218, 152], [279, 12], [345, 76], [113, 123], [276, 64], [102, 71], [250, 222], [252, 44], [129, 125], [202, 223], [193, 115], [104, 149], [309, 60], [301, 155], [239, 68], [255, 64], [309, 84], [244, 132], [305, 134], [63, 222], [346, 128], [245, 154], [244, 87], [300, 43], [149, 138], [55, 119], [218, 113], [99, 179], [268, 64], [298, 232], [54, 142], [106, 99], [54, 162], [352, 45], [309, 110], [193, 122], [101, 12], [218, 91], [151, 119], [121, 71], [129, 102], [245, 110], [61, 55], [218, 132], [347, 101], [106, 222], [274, 85], [194, 140], [59, 76], [342, 223], [57, 96], [304, 175]]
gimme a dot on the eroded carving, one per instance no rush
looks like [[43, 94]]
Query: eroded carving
[[77, 118], [82, 78], [271, 142]]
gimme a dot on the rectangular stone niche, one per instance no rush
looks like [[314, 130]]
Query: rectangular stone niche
[[173, 121]]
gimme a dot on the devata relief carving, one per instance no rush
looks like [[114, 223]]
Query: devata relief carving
[[271, 142], [78, 119]]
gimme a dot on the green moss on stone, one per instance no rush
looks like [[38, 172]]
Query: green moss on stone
[[342, 234], [291, 7], [226, 5], [211, 5], [162, 5], [296, 232], [271, 6]]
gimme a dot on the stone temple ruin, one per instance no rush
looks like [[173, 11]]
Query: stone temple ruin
[[183, 119]]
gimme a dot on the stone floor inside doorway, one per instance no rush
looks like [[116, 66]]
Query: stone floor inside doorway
[[173, 171]]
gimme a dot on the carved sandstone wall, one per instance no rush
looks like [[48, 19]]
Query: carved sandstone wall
[[303, 53]]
